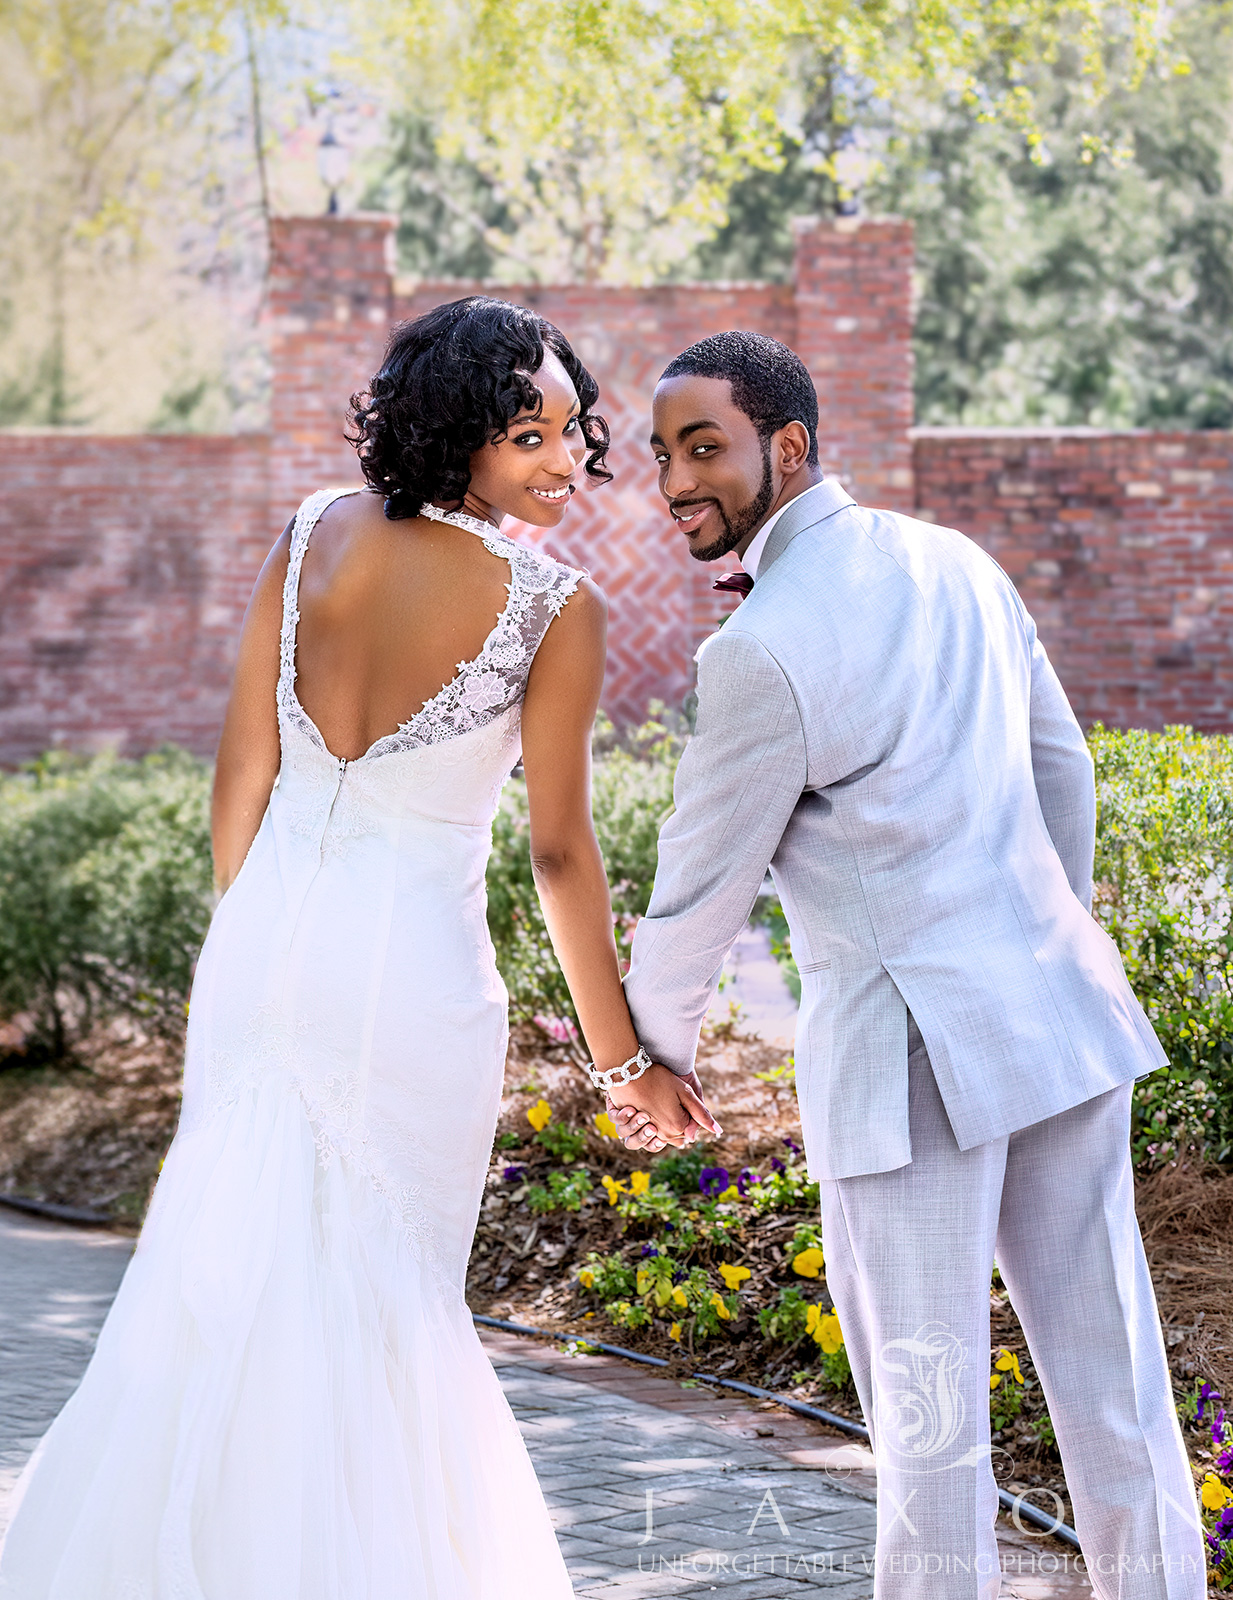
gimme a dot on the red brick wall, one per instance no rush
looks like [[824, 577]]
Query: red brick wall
[[1122, 547], [125, 563], [125, 567], [332, 301]]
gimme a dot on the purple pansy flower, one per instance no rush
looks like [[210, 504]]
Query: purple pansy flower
[[713, 1181], [777, 1165], [793, 1146], [748, 1177], [513, 1174], [649, 1250]]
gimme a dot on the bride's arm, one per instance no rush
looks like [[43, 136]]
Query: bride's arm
[[561, 701], [248, 752]]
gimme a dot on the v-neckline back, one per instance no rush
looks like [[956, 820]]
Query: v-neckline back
[[291, 619]]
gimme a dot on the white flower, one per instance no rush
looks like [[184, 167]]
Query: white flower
[[483, 691]]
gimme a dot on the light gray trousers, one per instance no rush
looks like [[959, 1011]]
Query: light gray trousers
[[908, 1259]]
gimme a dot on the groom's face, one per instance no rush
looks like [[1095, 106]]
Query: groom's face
[[715, 471]]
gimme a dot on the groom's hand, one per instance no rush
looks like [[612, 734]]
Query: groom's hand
[[661, 1108]]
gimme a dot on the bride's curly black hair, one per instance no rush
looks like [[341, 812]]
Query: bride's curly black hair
[[451, 382]]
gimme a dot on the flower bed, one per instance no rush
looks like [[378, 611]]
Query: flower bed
[[712, 1259]]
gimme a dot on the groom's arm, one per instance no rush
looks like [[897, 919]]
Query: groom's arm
[[739, 780], [1062, 769]]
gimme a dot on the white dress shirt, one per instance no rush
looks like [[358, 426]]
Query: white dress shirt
[[753, 555]]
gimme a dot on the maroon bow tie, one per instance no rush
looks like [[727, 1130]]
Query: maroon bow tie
[[735, 583]]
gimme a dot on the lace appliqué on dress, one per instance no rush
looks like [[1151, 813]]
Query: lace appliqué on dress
[[333, 1105], [482, 688]]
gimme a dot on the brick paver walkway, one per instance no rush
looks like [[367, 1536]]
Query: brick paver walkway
[[655, 1489]]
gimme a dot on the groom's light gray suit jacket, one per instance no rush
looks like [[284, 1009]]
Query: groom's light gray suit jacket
[[879, 723]]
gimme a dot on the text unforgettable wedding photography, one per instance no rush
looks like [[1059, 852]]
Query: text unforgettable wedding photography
[[616, 801]]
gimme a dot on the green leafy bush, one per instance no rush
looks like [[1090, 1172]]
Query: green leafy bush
[[632, 795], [1164, 874], [105, 891]]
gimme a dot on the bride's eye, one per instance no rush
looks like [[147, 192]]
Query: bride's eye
[[571, 426], [531, 439]]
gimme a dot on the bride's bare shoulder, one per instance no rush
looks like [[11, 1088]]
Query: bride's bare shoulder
[[580, 630]]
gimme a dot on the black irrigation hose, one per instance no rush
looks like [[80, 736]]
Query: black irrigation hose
[[1009, 1502], [54, 1213]]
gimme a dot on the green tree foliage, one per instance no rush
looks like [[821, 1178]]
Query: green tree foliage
[[450, 220], [1073, 280], [118, 147], [614, 129], [1083, 286]]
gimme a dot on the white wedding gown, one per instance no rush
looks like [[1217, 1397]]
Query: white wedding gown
[[288, 1400]]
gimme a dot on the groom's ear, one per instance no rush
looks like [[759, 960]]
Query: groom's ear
[[792, 443]]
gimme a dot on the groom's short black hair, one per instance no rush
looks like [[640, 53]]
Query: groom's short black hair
[[770, 383]]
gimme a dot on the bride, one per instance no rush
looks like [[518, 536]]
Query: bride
[[288, 1400]]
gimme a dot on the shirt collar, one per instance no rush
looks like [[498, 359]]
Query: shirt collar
[[752, 557]]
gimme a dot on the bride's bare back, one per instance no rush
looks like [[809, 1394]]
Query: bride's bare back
[[388, 612]]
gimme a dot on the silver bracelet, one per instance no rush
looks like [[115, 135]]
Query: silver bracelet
[[615, 1076]]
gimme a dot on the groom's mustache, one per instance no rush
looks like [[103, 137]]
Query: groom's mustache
[[677, 506]]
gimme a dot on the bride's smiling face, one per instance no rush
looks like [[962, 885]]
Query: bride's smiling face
[[529, 474]]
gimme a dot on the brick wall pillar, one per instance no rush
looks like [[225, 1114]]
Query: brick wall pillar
[[854, 333], [330, 309]]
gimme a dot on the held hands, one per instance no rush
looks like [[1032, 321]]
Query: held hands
[[660, 1108]]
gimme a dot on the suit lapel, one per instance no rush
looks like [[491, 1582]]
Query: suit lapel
[[808, 509]]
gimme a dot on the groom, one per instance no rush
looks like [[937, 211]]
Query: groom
[[879, 723]]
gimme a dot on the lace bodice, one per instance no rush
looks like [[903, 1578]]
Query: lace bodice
[[483, 688]]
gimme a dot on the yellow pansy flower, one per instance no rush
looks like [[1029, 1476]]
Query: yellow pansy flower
[[606, 1125], [1213, 1493], [586, 1278], [721, 1310], [679, 1297], [615, 1190], [643, 1280], [540, 1115], [1006, 1362], [639, 1182], [808, 1263], [674, 1332], [734, 1277], [994, 1379], [828, 1334]]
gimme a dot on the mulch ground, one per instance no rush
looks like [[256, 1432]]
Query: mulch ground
[[93, 1136]]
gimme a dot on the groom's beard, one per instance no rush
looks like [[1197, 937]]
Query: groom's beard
[[745, 522]]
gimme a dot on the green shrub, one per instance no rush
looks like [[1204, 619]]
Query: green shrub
[[1164, 859], [105, 891], [632, 796]]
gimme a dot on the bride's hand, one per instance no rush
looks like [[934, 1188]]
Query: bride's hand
[[661, 1108]]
